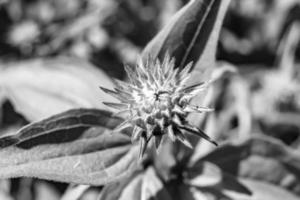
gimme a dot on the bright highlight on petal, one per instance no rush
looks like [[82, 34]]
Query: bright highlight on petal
[[157, 102]]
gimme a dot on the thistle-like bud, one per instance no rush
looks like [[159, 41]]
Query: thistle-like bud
[[157, 102]]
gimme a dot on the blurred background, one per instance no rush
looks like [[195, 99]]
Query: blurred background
[[259, 37]]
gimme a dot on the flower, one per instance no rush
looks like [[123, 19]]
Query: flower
[[157, 102]]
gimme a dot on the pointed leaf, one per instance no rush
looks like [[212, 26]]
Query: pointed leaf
[[118, 106], [142, 185], [143, 146], [114, 191], [65, 148], [152, 187], [207, 175], [204, 174], [39, 88], [198, 132], [263, 191], [191, 34], [260, 158], [63, 125]]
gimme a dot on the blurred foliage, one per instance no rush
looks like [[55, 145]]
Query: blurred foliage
[[258, 92]]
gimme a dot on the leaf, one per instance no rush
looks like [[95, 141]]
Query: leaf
[[204, 175], [45, 191], [287, 50], [4, 196], [142, 185], [39, 88], [260, 158], [5, 187], [152, 187], [191, 35], [132, 190], [181, 191], [64, 148], [165, 160], [127, 188], [263, 191], [75, 193], [61, 127]]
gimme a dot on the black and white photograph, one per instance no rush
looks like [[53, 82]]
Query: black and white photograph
[[149, 99]]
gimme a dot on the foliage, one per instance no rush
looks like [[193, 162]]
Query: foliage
[[67, 135]]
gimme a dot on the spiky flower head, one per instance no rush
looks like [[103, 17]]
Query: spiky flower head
[[157, 102]]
